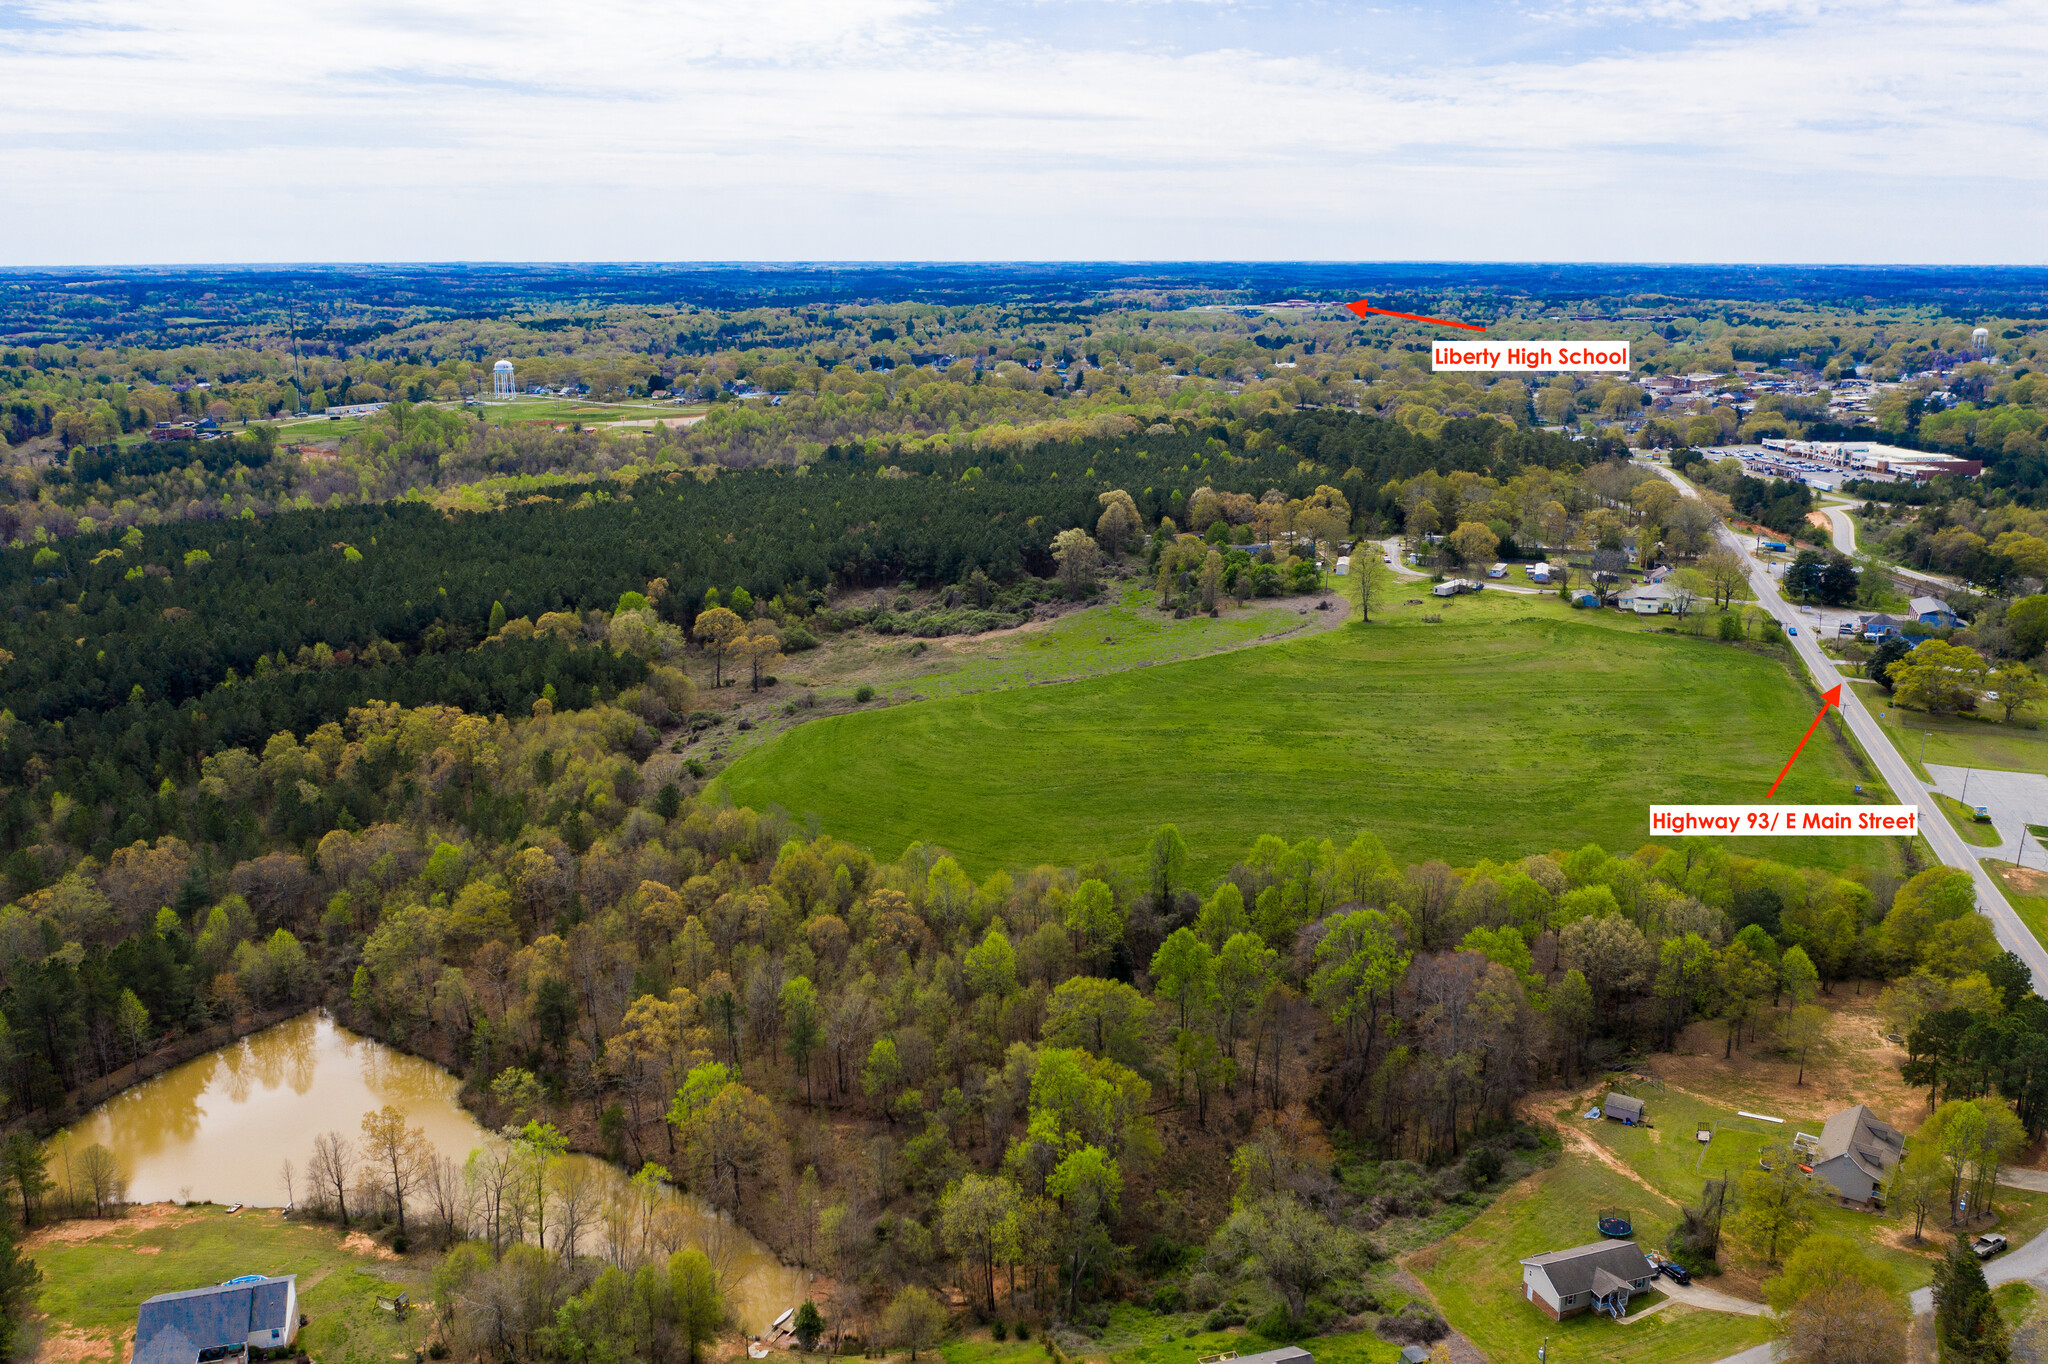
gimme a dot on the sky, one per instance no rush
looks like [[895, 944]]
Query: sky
[[1566, 130]]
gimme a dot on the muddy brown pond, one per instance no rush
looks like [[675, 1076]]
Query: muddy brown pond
[[221, 1126]]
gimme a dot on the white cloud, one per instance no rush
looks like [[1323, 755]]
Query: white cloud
[[1690, 129]]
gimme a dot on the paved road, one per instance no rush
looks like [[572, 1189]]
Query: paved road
[[2029, 1261], [1843, 528], [1908, 788]]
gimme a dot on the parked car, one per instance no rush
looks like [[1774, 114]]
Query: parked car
[[1848, 627], [1675, 1272], [1984, 1247]]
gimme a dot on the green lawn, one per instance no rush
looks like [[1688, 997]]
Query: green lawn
[[96, 1286], [2026, 890], [1512, 725], [1476, 1277], [1966, 823], [1137, 1336], [1669, 1156], [1958, 740]]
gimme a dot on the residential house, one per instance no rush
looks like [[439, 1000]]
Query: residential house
[[1602, 1275], [1856, 1153], [1585, 597], [1497, 571], [1645, 599], [1623, 1108], [1539, 573], [1933, 611], [1286, 1354], [255, 1311], [1878, 628], [1451, 587]]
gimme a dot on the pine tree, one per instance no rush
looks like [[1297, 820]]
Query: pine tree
[[1966, 1320]]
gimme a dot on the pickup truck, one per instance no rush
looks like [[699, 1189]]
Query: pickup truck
[[1984, 1247]]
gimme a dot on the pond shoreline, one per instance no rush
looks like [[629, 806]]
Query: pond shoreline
[[83, 1099]]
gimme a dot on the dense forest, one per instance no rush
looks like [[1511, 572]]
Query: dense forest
[[133, 658], [369, 727]]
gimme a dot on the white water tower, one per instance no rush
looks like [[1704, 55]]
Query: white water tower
[[1980, 341], [501, 379]]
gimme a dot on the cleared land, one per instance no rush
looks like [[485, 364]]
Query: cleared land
[[96, 1274], [1959, 740], [1492, 726], [2026, 890]]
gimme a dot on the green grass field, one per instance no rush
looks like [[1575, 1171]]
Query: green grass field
[[1138, 1335], [1512, 725], [2026, 890], [1476, 1277], [1958, 741], [92, 1288]]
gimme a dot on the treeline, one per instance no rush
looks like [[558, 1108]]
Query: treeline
[[131, 659], [674, 981]]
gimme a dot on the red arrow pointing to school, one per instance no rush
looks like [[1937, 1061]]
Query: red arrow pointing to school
[[1831, 697], [1364, 306]]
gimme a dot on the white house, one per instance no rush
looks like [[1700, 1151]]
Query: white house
[[1645, 599], [1566, 1282]]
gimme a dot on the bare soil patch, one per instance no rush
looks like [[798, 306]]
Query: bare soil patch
[[80, 1230], [1855, 1065], [72, 1346], [361, 1244]]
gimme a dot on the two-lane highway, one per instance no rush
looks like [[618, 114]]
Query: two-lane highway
[[1910, 790]]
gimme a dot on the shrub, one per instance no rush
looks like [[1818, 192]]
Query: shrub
[[1482, 1165], [1023, 1329], [438, 1350], [999, 1331], [1169, 1297], [796, 640], [864, 693], [400, 1244]]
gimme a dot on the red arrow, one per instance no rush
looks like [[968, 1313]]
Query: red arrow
[[1832, 697], [1362, 307]]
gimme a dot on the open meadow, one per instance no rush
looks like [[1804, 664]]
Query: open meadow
[[1495, 725], [1982, 740]]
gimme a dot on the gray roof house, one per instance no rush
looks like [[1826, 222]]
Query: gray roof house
[[210, 1323], [1286, 1354], [1932, 611], [1601, 1275], [1622, 1108], [1856, 1153]]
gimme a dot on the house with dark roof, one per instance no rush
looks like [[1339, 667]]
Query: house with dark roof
[[1599, 1276], [1623, 1108], [1856, 1153], [200, 1325]]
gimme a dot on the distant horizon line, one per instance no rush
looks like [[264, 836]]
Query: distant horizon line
[[937, 263]]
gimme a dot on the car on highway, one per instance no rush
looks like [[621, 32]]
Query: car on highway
[[1984, 1247], [1791, 629]]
